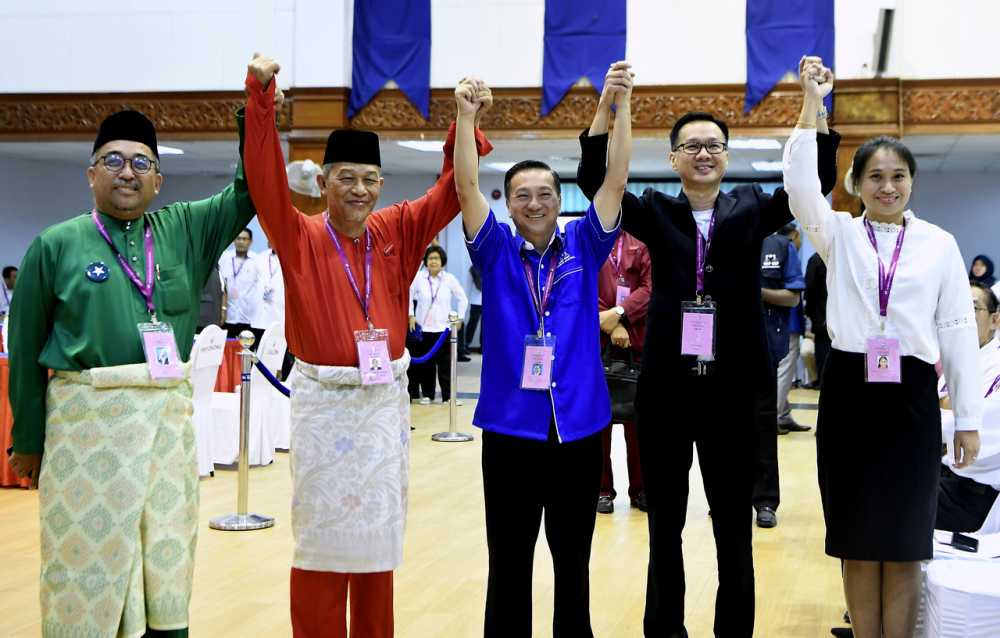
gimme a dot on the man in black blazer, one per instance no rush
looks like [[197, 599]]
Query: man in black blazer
[[706, 402]]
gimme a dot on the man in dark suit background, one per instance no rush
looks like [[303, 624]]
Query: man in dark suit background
[[707, 401]]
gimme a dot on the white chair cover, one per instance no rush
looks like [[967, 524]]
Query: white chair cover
[[206, 357], [263, 399], [963, 599], [4, 325], [992, 524]]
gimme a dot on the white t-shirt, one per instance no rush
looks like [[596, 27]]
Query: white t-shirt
[[703, 218], [270, 306]]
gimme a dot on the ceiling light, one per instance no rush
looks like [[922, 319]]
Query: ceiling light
[[427, 146], [502, 167], [168, 150], [767, 167], [755, 143]]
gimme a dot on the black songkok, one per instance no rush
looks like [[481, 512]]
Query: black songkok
[[352, 145], [127, 125]]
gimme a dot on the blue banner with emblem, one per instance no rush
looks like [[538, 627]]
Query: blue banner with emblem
[[779, 33], [391, 41], [582, 39]]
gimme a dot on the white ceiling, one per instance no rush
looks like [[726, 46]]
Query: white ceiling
[[935, 153]]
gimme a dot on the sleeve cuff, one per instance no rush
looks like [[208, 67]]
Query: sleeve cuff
[[483, 145], [967, 423], [476, 243], [258, 93], [604, 233], [587, 140]]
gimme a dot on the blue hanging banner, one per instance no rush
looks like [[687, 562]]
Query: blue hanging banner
[[779, 33], [391, 41], [582, 39]]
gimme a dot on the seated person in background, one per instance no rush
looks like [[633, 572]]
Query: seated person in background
[[966, 495]]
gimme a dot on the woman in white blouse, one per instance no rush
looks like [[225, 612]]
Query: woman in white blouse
[[899, 301], [432, 292]]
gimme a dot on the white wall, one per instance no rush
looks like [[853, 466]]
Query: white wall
[[965, 204], [198, 45]]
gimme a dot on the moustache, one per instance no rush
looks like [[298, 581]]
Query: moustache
[[127, 183]]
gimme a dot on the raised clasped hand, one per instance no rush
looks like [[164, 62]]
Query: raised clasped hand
[[816, 79]]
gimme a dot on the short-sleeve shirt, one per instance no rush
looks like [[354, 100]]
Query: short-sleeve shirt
[[780, 269], [577, 401]]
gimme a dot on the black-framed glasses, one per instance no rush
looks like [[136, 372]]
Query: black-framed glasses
[[115, 162], [693, 148]]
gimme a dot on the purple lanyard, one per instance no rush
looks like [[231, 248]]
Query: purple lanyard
[[616, 257], [541, 304], [885, 278], [236, 273], [145, 289], [366, 300], [270, 265], [702, 245], [994, 387]]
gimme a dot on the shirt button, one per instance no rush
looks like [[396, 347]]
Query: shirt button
[[547, 313], [541, 265], [134, 258], [553, 384], [548, 334], [709, 268], [131, 243]]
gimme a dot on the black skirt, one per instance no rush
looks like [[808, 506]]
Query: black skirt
[[878, 448]]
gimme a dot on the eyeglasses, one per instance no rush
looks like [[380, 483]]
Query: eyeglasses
[[115, 163], [693, 148]]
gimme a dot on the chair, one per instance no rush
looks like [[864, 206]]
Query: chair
[[963, 599], [226, 408], [275, 410], [5, 329], [206, 356]]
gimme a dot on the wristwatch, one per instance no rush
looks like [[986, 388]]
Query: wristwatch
[[619, 311]]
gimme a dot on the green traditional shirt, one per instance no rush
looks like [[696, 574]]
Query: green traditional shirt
[[64, 320]]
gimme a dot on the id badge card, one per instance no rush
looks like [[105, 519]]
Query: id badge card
[[621, 294], [160, 348], [882, 361], [234, 293], [698, 329], [373, 356], [536, 373]]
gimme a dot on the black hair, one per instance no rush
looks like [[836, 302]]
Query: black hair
[[7, 270], [992, 304], [528, 165], [247, 231], [434, 248], [788, 229], [696, 116], [870, 147]]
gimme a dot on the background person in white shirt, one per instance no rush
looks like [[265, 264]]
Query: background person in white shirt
[[7, 289], [433, 291], [270, 304], [967, 495], [879, 444], [239, 272]]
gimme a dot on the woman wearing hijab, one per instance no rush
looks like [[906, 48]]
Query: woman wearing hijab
[[898, 302], [982, 271]]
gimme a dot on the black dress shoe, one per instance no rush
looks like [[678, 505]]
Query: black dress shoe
[[766, 517], [464, 358], [791, 425], [842, 632], [605, 505], [639, 502]]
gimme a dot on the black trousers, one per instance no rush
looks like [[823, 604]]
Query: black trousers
[[563, 481], [822, 342], [723, 432], [475, 312], [963, 504], [421, 376], [766, 490]]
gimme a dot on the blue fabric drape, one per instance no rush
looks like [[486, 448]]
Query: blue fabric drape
[[391, 41], [582, 39], [779, 33]]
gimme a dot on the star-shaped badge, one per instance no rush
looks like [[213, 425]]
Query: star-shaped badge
[[97, 272]]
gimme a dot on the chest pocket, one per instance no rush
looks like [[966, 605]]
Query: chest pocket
[[387, 267], [173, 290], [568, 284]]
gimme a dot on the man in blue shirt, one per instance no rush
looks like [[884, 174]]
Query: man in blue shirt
[[543, 400], [781, 284]]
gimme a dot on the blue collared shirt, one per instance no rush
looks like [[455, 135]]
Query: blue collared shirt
[[578, 396]]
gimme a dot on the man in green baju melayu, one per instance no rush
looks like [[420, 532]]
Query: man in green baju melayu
[[109, 439]]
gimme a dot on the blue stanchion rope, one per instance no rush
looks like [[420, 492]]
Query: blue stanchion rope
[[433, 350], [274, 381]]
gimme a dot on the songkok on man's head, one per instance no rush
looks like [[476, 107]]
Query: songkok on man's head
[[127, 125], [353, 146]]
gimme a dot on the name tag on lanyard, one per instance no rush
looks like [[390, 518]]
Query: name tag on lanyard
[[698, 317], [883, 361], [539, 349]]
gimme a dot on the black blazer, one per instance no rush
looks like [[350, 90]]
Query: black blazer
[[743, 218]]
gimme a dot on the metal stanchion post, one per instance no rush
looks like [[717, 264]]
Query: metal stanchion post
[[453, 435], [241, 520]]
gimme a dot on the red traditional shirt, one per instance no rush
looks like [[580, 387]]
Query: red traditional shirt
[[321, 309], [635, 269]]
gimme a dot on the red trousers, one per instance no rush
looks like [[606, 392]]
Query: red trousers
[[631, 458], [319, 604]]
